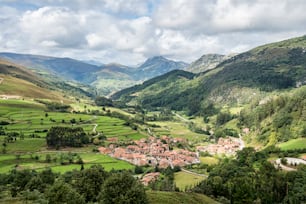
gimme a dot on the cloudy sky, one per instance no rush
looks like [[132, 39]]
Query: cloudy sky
[[129, 31]]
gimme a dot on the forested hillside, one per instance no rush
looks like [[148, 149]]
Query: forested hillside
[[276, 66]]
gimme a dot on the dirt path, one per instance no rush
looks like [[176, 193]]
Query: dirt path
[[1, 80], [180, 117], [193, 173], [95, 127]]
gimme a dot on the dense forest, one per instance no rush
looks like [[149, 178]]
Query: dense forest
[[252, 179]]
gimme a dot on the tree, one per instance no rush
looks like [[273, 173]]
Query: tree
[[66, 136], [47, 176], [88, 182], [48, 158], [61, 192], [122, 188], [36, 183]]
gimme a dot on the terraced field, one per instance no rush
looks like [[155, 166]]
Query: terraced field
[[30, 119]]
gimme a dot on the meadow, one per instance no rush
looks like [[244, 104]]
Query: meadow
[[37, 161], [299, 143], [29, 117], [32, 120], [185, 180]]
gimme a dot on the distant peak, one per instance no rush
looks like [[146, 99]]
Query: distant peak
[[157, 58]]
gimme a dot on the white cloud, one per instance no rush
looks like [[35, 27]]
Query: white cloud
[[58, 25], [128, 31]]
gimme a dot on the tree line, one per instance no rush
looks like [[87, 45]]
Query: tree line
[[92, 185]]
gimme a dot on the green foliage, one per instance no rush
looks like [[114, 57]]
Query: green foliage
[[158, 197], [122, 188], [268, 68], [66, 136], [61, 192], [89, 182], [223, 117], [250, 179], [103, 101], [283, 116]]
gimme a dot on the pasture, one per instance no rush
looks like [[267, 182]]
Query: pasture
[[37, 161], [177, 129], [29, 117], [209, 160], [184, 180], [30, 120], [299, 143]]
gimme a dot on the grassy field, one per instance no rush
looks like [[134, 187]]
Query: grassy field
[[177, 129], [209, 160], [37, 161], [29, 117], [16, 86], [183, 180], [158, 197], [299, 143]]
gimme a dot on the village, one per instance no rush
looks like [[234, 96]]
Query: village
[[154, 152], [227, 146]]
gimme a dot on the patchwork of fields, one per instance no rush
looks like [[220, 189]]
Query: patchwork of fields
[[30, 119]]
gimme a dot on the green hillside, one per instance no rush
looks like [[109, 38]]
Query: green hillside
[[265, 84], [24, 82], [276, 66]]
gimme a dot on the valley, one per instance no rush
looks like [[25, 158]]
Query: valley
[[225, 131]]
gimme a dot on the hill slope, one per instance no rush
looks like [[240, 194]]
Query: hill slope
[[156, 66], [21, 81], [275, 66], [206, 62], [17, 81], [66, 67], [106, 78]]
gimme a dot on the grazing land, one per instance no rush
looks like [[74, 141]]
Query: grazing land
[[29, 122], [294, 144], [209, 160], [185, 180]]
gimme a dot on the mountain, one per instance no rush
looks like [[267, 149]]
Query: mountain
[[65, 67], [267, 85], [156, 85], [107, 78], [156, 66], [21, 81], [237, 80], [17, 81], [206, 62], [113, 77]]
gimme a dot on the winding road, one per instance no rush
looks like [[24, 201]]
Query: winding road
[[291, 161]]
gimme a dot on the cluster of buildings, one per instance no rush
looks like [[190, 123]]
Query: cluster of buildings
[[227, 146], [154, 152], [150, 177]]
